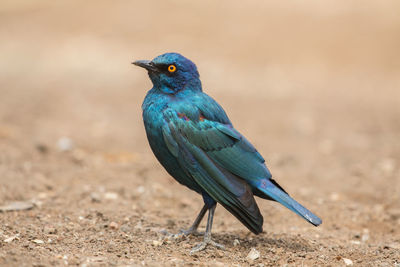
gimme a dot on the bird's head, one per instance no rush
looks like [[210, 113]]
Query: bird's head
[[171, 73]]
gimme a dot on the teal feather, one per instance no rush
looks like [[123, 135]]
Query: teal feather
[[193, 138]]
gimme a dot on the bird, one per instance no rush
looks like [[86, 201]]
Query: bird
[[194, 140]]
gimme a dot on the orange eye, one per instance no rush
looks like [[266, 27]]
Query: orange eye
[[171, 68]]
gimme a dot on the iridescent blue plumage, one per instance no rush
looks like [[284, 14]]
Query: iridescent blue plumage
[[192, 137]]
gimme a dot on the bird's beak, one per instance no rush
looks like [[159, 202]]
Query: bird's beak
[[147, 64]]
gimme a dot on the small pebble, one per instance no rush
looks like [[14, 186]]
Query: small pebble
[[95, 197], [64, 144], [253, 254], [113, 225], [10, 239], [365, 235], [42, 195], [236, 242], [110, 195], [157, 243], [334, 196], [140, 189], [348, 262], [38, 241], [17, 205]]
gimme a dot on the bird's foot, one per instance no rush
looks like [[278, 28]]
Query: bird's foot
[[207, 241]]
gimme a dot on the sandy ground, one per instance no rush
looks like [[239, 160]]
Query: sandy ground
[[315, 87]]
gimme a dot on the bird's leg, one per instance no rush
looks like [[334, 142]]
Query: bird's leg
[[195, 225], [192, 229], [207, 235]]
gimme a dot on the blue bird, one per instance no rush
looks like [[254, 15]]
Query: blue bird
[[193, 138]]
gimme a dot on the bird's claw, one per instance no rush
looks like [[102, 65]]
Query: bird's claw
[[204, 244]]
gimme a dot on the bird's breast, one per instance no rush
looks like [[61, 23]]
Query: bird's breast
[[153, 122]]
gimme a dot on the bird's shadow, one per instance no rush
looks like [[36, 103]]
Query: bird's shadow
[[292, 243], [287, 242]]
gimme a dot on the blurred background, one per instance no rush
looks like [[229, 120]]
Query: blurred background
[[314, 85]]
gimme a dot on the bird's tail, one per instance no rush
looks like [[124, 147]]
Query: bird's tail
[[276, 193]]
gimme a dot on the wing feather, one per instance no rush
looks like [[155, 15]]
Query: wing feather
[[189, 143]]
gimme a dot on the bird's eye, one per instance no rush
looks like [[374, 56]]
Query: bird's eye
[[171, 68]]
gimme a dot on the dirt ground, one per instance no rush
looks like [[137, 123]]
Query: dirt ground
[[315, 86]]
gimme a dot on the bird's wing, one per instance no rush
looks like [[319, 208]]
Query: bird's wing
[[211, 130], [192, 143]]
